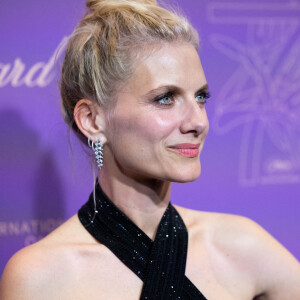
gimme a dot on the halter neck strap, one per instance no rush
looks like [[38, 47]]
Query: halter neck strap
[[160, 264]]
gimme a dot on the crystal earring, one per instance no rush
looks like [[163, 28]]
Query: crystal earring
[[98, 150]]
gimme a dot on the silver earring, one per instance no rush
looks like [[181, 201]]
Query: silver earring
[[98, 150]]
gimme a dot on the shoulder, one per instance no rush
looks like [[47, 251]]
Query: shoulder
[[224, 232], [275, 272], [230, 233], [27, 273], [242, 245], [38, 270]]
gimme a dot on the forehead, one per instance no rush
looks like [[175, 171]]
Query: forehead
[[167, 64]]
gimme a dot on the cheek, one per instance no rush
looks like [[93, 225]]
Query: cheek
[[141, 135], [151, 127]]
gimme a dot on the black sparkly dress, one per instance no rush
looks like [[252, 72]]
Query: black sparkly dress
[[160, 263]]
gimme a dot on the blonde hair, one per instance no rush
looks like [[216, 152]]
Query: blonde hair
[[101, 52]]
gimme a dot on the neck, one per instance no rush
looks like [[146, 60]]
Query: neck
[[144, 202]]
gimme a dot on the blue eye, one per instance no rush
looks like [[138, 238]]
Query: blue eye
[[166, 99], [202, 97]]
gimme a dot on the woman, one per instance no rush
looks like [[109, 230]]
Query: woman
[[134, 90]]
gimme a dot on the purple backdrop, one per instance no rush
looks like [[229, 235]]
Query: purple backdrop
[[251, 161]]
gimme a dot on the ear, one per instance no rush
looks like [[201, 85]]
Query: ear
[[90, 119]]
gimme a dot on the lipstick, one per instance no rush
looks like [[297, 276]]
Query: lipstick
[[186, 149]]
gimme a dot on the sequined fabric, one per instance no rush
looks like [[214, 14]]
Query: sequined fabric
[[159, 263]]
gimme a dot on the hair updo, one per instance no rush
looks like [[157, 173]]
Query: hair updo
[[100, 52]]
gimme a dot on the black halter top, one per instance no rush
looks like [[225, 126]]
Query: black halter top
[[160, 264]]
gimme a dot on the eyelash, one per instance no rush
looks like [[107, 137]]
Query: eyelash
[[161, 97], [205, 96]]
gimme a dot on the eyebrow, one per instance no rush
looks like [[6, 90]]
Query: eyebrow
[[204, 88], [173, 88]]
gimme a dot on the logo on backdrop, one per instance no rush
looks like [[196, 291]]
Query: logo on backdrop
[[262, 94], [39, 74], [31, 230]]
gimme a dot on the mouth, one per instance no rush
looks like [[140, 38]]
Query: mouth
[[187, 150]]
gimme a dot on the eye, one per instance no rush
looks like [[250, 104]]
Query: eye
[[202, 97], [166, 99]]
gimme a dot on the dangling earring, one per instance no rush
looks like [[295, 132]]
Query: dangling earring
[[98, 150]]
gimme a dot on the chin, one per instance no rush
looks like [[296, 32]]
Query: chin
[[186, 176], [185, 180]]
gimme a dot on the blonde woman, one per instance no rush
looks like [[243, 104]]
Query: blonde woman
[[134, 90]]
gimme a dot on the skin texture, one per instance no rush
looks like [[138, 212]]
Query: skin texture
[[229, 257]]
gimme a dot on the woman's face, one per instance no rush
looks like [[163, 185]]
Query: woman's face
[[159, 123]]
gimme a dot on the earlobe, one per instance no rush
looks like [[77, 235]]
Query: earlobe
[[90, 120]]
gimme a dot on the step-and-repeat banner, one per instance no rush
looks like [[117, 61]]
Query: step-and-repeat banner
[[250, 51]]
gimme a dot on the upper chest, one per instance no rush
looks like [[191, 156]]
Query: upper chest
[[99, 274], [92, 271]]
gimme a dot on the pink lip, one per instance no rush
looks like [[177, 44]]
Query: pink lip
[[186, 149]]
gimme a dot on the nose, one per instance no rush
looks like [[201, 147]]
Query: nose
[[195, 119]]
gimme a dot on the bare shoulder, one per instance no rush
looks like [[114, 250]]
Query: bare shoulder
[[242, 236], [232, 233], [25, 272], [35, 271], [241, 245]]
